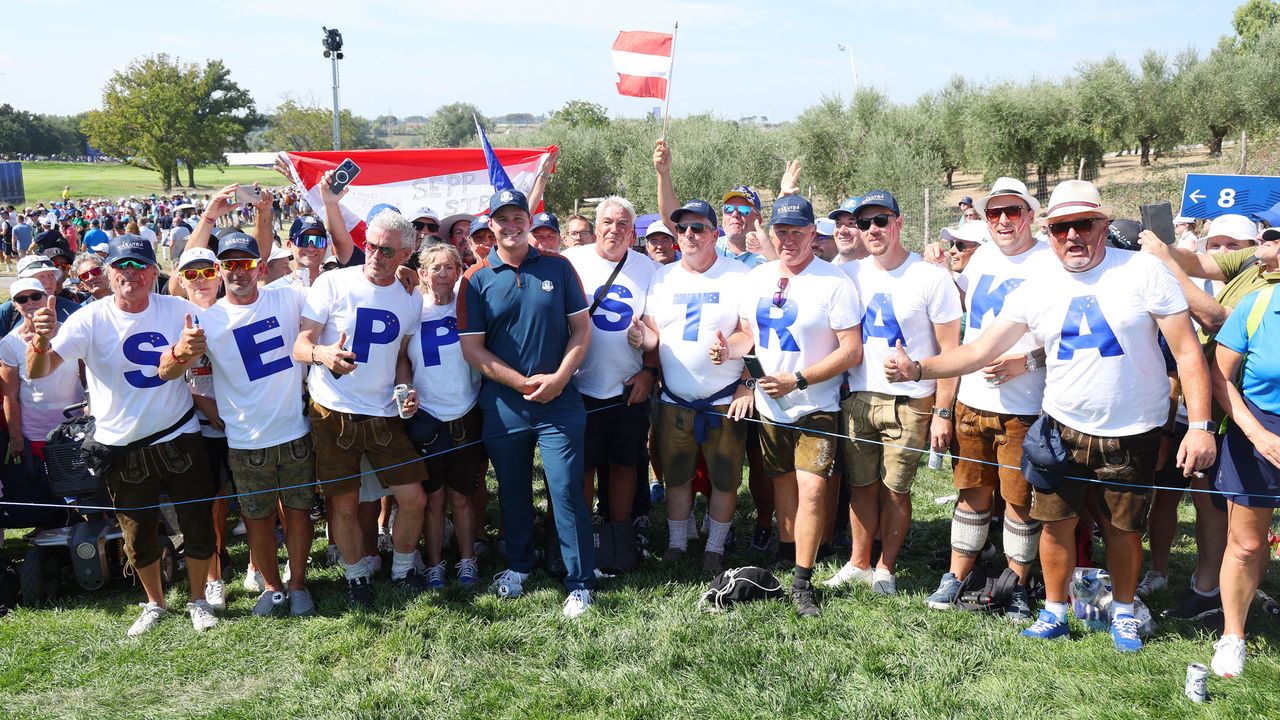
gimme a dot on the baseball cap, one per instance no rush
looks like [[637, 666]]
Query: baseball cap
[[373, 211], [1123, 233], [826, 227], [40, 262], [25, 284], [1271, 234], [966, 200], [1236, 227], [791, 210], [545, 219], [657, 227], [480, 223], [849, 206], [508, 198], [878, 198], [279, 253], [974, 232], [58, 250], [236, 240], [1270, 216], [697, 207], [191, 256], [131, 247], [745, 192], [307, 224], [100, 247], [423, 212]]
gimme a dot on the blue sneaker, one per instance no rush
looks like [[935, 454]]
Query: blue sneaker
[[1124, 633], [1048, 627], [656, 493], [944, 598]]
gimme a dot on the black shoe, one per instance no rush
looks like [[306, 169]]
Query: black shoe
[[673, 556], [359, 593], [1019, 606], [412, 580], [806, 602], [1194, 606], [760, 539]]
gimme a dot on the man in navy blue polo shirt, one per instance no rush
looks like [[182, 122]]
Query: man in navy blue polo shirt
[[523, 324]]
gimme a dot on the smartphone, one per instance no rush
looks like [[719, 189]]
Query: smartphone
[[336, 374], [343, 175], [1158, 218], [248, 194], [756, 370]]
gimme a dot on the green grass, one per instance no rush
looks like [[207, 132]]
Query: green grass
[[43, 181], [644, 652]]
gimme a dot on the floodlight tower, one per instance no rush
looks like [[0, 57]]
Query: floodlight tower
[[333, 50]]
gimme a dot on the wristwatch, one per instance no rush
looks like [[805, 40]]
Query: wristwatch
[[801, 383], [1032, 365], [944, 413], [1204, 425]]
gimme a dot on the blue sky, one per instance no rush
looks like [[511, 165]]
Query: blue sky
[[733, 59]]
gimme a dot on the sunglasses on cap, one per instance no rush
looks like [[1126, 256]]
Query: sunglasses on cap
[[240, 264], [92, 272], [731, 208], [881, 220], [129, 265], [1013, 212], [29, 297], [385, 251], [697, 228], [192, 274], [312, 240], [1061, 229], [420, 225]]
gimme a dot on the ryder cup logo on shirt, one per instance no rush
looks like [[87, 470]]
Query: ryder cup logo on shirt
[[548, 286]]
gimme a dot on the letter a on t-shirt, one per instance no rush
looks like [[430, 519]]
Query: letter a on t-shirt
[[1084, 328], [880, 321]]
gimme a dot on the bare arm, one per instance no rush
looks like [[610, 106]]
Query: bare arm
[[1198, 449], [1200, 265], [39, 331], [306, 349], [1204, 309], [947, 336], [543, 177], [12, 409], [343, 244], [188, 349], [546, 388], [960, 360], [262, 222], [667, 202]]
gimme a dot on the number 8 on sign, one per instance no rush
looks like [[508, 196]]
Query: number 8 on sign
[[1227, 197]]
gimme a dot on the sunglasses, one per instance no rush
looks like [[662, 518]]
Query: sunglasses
[[1060, 230], [730, 209], [780, 297], [311, 241], [419, 225], [240, 264], [962, 245], [129, 265], [92, 272], [697, 228], [192, 274], [29, 298], [880, 221], [1013, 212], [385, 251]]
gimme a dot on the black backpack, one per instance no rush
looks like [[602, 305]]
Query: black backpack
[[8, 585], [985, 591], [738, 585]]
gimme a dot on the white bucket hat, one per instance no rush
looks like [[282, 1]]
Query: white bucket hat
[[1076, 197], [1236, 227], [973, 231], [1008, 186]]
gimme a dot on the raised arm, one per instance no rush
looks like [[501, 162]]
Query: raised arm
[[343, 244], [545, 166], [667, 202], [1206, 311]]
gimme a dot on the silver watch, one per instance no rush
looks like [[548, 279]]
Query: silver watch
[[1032, 365], [1204, 425]]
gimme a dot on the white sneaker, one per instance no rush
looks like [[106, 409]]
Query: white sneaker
[[1228, 656], [578, 602], [253, 582], [215, 593], [202, 617], [849, 573], [508, 584], [151, 614], [240, 530], [884, 583], [1151, 582]]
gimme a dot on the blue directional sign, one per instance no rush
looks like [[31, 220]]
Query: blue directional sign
[[1208, 196]]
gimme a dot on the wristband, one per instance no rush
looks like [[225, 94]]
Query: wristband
[[37, 350], [175, 357], [313, 355], [919, 370]]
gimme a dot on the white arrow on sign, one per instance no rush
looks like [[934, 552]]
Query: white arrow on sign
[[1195, 196]]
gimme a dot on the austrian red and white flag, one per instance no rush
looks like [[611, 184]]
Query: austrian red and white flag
[[643, 62], [449, 181]]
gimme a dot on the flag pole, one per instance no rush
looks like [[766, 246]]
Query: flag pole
[[666, 108]]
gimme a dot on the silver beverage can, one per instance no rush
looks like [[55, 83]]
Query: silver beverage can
[[935, 460], [1197, 680], [402, 394]]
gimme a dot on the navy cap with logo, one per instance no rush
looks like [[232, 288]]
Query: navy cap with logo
[[698, 207], [878, 198], [508, 198], [307, 224], [235, 240], [791, 210], [850, 206], [131, 247], [745, 192], [480, 223], [547, 220]]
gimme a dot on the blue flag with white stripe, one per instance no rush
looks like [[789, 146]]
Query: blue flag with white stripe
[[497, 175]]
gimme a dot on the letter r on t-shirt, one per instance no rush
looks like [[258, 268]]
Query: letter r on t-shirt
[[771, 324], [374, 326], [252, 350]]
